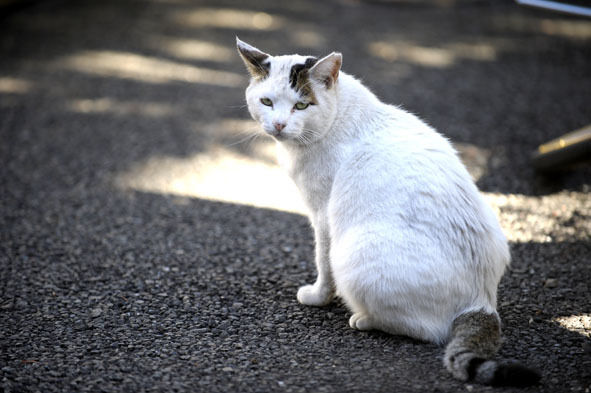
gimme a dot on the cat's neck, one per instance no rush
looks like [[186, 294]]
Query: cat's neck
[[354, 98], [357, 106]]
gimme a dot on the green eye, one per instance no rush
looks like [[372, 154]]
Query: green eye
[[266, 101], [301, 105]]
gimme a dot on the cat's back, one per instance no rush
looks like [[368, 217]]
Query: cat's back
[[395, 157], [401, 175]]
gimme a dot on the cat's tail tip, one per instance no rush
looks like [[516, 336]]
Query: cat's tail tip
[[475, 340], [495, 373], [514, 374]]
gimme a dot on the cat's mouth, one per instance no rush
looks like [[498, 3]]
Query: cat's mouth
[[278, 135]]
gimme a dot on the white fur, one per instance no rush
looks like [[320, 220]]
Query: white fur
[[402, 233]]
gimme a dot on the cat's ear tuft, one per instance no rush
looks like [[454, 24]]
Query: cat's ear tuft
[[254, 59], [326, 70]]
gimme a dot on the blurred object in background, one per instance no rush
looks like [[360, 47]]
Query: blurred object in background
[[575, 146], [568, 149], [575, 7]]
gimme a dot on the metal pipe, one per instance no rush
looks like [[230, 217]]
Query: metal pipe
[[552, 5]]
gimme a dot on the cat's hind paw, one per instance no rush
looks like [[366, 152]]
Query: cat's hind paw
[[361, 321], [313, 295]]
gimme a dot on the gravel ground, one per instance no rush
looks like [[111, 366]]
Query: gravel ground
[[118, 274]]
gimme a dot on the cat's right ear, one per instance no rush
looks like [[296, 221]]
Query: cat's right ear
[[326, 70], [254, 59]]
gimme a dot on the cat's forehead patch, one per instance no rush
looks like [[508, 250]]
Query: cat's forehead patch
[[298, 74], [294, 69]]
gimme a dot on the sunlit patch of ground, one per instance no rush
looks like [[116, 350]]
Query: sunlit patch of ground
[[119, 107], [440, 57], [13, 85], [549, 218], [192, 49], [235, 19], [218, 174], [576, 323], [126, 65]]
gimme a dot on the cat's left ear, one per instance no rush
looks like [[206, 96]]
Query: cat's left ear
[[254, 59], [326, 70]]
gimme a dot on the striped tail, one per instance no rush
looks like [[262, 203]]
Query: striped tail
[[475, 339]]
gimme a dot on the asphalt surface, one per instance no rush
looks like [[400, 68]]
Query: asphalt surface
[[107, 285]]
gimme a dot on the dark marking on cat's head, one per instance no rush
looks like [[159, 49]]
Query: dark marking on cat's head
[[299, 72], [256, 61], [299, 78], [260, 68]]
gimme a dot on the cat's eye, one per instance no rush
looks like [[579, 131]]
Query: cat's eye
[[301, 105], [266, 101]]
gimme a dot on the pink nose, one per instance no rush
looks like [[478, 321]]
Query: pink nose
[[279, 126]]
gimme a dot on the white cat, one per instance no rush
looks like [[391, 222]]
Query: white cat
[[402, 233]]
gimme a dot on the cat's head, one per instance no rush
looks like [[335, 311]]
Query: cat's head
[[292, 97]]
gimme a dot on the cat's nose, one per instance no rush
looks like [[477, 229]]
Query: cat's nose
[[279, 126]]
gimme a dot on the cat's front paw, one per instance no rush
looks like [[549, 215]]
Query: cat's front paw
[[314, 295]]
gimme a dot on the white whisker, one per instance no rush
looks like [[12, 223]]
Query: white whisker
[[249, 138]]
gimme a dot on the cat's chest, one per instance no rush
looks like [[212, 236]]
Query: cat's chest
[[313, 172]]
